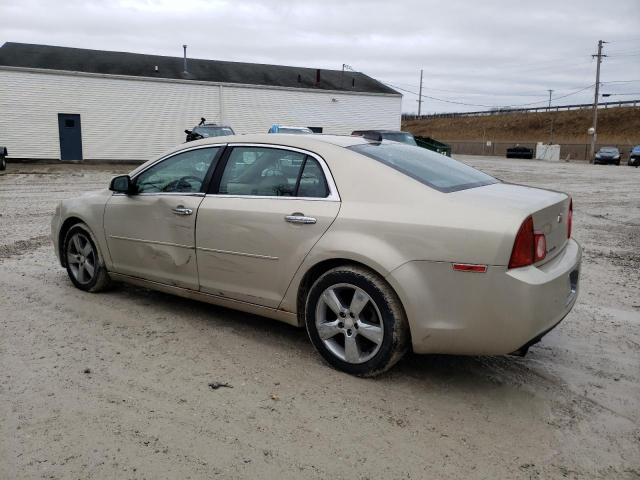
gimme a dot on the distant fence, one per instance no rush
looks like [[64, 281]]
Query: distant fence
[[503, 111], [572, 151]]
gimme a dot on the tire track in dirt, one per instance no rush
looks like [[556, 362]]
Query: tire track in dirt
[[23, 246]]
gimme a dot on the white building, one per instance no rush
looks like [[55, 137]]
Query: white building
[[72, 104]]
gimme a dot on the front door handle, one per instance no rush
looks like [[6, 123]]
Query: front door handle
[[298, 217], [182, 210]]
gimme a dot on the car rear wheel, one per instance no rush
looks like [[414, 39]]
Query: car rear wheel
[[85, 267], [3, 162], [356, 322]]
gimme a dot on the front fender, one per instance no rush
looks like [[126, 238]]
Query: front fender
[[88, 209]]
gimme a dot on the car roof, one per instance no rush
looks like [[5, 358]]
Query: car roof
[[307, 141]]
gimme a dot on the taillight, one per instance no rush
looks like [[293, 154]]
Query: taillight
[[522, 253], [570, 218], [529, 246]]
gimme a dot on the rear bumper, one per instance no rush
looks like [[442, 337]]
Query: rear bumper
[[492, 313]]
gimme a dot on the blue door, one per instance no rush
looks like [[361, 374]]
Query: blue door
[[70, 136]]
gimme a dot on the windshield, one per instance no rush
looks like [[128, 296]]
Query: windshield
[[636, 149], [609, 150], [401, 137], [432, 169], [213, 131]]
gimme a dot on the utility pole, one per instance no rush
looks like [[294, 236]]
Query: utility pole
[[594, 137], [420, 96], [551, 119]]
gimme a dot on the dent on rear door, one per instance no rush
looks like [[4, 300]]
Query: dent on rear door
[[247, 251]]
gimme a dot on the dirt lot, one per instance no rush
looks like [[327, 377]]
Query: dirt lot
[[115, 385]]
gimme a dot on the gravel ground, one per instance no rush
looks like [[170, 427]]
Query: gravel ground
[[116, 385]]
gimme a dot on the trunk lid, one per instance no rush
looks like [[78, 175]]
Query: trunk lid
[[548, 209]]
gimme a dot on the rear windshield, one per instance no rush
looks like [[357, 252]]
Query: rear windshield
[[432, 169]]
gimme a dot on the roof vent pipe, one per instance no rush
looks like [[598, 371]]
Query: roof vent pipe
[[185, 59]]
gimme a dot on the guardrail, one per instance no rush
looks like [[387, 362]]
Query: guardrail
[[503, 111]]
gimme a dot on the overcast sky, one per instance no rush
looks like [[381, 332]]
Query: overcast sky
[[490, 53]]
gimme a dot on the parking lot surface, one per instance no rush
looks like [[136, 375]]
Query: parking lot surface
[[116, 385]]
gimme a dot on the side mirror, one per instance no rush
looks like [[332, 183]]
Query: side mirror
[[121, 184], [188, 132]]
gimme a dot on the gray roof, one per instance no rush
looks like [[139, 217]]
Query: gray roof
[[140, 65]]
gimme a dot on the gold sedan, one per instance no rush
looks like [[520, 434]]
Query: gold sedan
[[374, 246]]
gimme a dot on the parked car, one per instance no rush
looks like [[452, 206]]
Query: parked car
[[608, 155], [634, 157], [393, 135], [3, 158], [520, 152], [207, 130], [331, 233], [284, 129]]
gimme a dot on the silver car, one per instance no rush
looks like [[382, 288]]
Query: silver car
[[375, 247]]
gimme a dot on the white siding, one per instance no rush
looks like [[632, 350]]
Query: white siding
[[254, 110], [129, 119]]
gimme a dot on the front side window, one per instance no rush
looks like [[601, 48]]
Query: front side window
[[432, 169], [272, 172], [182, 173]]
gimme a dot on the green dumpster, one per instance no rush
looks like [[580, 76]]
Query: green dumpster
[[434, 145]]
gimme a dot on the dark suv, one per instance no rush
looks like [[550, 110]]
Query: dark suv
[[206, 130]]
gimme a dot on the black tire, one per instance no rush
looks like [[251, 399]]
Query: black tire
[[3, 162], [79, 245], [618, 163], [381, 313]]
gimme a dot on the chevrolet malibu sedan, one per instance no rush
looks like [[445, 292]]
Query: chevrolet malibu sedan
[[375, 247]]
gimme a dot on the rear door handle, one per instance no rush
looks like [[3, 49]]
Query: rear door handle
[[300, 218], [182, 210]]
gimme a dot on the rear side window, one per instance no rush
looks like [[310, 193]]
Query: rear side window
[[312, 182], [434, 170], [272, 172]]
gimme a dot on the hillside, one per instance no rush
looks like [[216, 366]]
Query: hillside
[[620, 125]]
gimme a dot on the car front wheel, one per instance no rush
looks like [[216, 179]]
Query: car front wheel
[[355, 321], [84, 265]]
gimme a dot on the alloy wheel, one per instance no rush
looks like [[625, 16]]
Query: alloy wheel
[[81, 258], [349, 323]]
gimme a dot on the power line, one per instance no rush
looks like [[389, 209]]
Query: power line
[[484, 105]]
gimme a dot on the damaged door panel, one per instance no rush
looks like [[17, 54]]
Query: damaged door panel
[[155, 242], [151, 231]]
